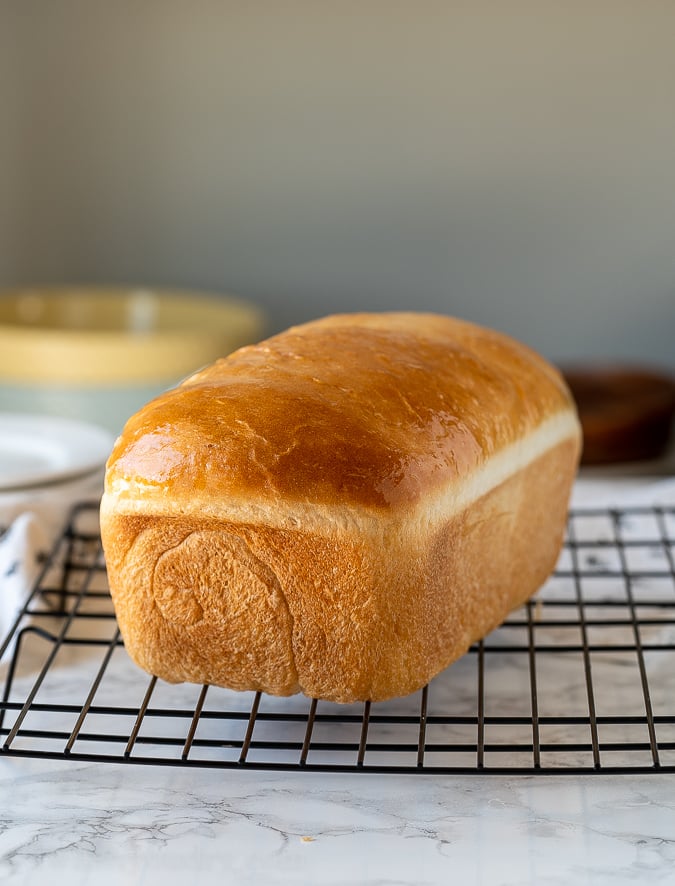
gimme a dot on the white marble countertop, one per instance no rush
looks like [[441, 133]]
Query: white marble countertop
[[70, 822], [77, 823]]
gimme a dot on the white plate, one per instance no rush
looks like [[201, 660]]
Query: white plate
[[36, 449]]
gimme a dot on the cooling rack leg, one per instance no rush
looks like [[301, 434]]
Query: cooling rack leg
[[10, 678], [11, 670]]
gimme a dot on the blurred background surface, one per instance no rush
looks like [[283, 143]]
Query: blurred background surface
[[511, 163]]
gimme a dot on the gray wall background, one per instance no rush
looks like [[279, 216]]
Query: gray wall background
[[509, 162]]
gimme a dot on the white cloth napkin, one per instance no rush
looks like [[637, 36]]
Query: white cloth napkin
[[31, 520]]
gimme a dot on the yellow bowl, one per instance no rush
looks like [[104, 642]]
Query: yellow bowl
[[100, 353], [94, 336]]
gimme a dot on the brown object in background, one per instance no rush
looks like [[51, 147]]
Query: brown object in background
[[626, 413]]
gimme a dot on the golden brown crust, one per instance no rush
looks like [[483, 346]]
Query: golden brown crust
[[372, 577], [369, 410]]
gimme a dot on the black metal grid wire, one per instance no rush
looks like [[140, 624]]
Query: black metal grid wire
[[579, 680]]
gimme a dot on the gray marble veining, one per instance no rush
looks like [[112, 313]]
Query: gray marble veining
[[81, 823]]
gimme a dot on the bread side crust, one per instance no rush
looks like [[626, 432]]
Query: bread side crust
[[339, 616]]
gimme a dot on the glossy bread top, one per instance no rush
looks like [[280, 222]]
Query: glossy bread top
[[372, 410]]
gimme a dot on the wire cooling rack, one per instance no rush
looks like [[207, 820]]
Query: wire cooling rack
[[579, 680]]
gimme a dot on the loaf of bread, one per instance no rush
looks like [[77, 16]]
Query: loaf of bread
[[341, 510]]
